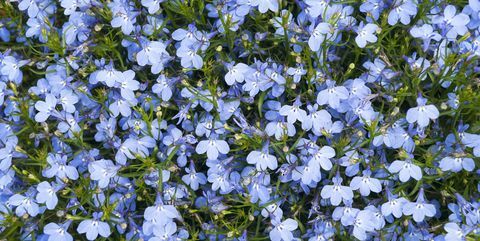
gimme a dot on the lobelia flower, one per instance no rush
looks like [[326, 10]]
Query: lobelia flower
[[263, 160], [94, 227], [236, 73], [25, 203], [31, 7], [419, 209], [455, 232], [373, 7], [346, 214], [426, 33], [320, 33], [456, 164], [337, 192], [293, 112], [102, 171], [366, 34], [128, 85], [212, 147], [455, 24], [406, 170], [11, 68], [193, 178], [68, 100], [47, 194], [321, 158], [45, 108], [394, 205], [265, 5], [152, 5], [189, 56], [165, 232], [363, 223], [332, 95], [283, 230], [57, 232], [163, 88], [366, 184], [422, 114], [402, 10], [158, 216], [151, 53], [59, 167]]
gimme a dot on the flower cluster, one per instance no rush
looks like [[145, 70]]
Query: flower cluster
[[239, 120]]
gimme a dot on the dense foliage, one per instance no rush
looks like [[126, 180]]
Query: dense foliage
[[239, 120]]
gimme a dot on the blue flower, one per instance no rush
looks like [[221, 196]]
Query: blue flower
[[10, 67], [346, 214], [102, 171], [212, 147], [332, 95], [263, 160], [236, 73], [152, 5], [25, 204], [366, 184], [293, 112], [47, 194], [94, 227], [406, 170], [190, 57], [31, 6], [321, 158], [402, 10], [366, 34], [373, 8], [426, 33], [46, 108], [394, 205], [194, 178], [59, 167], [128, 85], [283, 230], [455, 232], [363, 223], [163, 88], [336, 192], [422, 114], [123, 18], [68, 100], [322, 32], [156, 217], [456, 164], [454, 24], [57, 232], [419, 209]]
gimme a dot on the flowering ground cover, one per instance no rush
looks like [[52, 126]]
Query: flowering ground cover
[[239, 120]]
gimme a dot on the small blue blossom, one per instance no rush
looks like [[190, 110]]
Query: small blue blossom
[[402, 10], [57, 232], [283, 230], [212, 147], [422, 114], [47, 194], [406, 170], [263, 160], [419, 209], [94, 227], [336, 192], [102, 171], [366, 34], [366, 184], [58, 167]]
